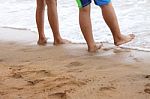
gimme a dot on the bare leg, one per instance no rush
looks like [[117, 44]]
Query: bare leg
[[53, 20], [86, 28], [111, 20], [40, 21]]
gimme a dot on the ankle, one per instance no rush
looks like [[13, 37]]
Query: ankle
[[91, 46], [58, 39], [118, 38], [93, 49], [42, 37]]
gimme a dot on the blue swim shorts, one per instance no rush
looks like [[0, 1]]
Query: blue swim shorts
[[83, 3]]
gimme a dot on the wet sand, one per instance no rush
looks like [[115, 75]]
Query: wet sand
[[29, 71]]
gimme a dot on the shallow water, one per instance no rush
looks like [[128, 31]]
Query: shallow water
[[133, 16]]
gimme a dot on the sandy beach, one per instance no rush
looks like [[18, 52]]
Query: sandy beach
[[29, 71]]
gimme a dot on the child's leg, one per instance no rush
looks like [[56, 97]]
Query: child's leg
[[53, 20], [86, 28], [40, 21], [111, 20]]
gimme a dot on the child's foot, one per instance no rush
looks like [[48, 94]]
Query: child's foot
[[124, 39], [42, 41], [95, 48], [62, 41]]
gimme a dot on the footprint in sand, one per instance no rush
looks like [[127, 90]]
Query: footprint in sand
[[38, 73], [15, 70], [147, 76], [34, 82], [2, 93], [44, 73], [68, 85], [119, 50], [147, 88], [75, 70], [16, 67], [17, 76], [58, 96], [106, 88], [69, 82], [74, 64], [29, 74], [107, 49]]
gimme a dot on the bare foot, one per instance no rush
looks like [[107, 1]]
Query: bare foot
[[42, 41], [95, 48], [62, 41], [124, 39]]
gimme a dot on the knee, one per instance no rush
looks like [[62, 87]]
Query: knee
[[40, 7]]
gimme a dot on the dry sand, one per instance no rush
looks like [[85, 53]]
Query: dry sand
[[29, 71]]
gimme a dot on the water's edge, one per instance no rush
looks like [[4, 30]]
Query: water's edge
[[80, 42]]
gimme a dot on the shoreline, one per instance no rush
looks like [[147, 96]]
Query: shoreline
[[68, 71], [17, 35], [34, 34]]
